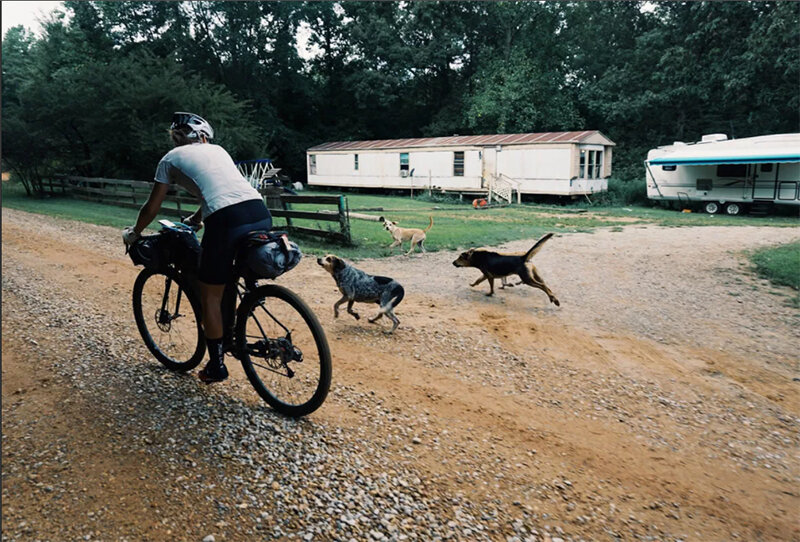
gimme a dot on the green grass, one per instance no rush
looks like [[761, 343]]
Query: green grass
[[779, 264], [14, 197], [456, 224], [671, 218]]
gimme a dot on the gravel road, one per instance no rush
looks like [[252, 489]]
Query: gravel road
[[659, 402]]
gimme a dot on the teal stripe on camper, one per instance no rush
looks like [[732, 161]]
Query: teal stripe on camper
[[782, 159]]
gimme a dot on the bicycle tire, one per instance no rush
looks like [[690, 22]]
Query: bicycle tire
[[178, 347], [282, 311]]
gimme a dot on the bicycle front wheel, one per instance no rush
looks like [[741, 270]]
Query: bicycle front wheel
[[283, 350], [168, 319]]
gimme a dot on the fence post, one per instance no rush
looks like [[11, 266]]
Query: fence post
[[286, 207], [344, 219]]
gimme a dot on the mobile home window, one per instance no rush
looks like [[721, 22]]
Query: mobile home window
[[312, 164], [403, 161], [590, 170], [458, 164], [355, 162], [732, 170], [583, 165], [598, 167]]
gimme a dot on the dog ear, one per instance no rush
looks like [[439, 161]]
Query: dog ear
[[393, 222], [338, 263], [381, 219]]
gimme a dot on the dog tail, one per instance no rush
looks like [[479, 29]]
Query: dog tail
[[398, 293], [537, 247], [429, 226]]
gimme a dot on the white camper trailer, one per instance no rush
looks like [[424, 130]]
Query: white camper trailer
[[499, 165], [730, 175]]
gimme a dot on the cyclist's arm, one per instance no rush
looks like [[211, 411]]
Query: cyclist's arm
[[150, 209]]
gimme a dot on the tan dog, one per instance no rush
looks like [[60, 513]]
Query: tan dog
[[400, 235], [496, 265]]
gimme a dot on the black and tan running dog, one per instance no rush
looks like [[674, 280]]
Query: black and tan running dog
[[496, 265], [357, 285]]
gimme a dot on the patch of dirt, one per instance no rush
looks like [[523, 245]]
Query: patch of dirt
[[659, 402]]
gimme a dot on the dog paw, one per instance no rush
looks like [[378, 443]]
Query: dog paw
[[356, 316]]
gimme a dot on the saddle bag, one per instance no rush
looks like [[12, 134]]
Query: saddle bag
[[268, 255]]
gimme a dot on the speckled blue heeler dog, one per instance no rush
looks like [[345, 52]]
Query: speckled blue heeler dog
[[357, 285]]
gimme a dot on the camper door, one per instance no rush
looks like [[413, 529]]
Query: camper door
[[764, 179]]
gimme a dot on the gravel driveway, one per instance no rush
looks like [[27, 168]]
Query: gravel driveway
[[657, 403]]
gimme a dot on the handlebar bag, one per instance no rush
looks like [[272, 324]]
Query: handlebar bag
[[147, 251], [178, 248]]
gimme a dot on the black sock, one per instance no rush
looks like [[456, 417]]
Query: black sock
[[215, 351]]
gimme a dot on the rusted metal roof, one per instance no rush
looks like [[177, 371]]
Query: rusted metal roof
[[460, 141]]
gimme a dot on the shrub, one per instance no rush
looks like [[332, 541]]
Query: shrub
[[623, 192]]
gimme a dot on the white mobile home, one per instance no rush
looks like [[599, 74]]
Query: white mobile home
[[729, 175], [557, 163]]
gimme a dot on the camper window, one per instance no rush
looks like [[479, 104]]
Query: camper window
[[732, 170], [669, 168], [458, 164]]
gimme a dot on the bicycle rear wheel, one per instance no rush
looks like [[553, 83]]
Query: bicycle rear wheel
[[283, 350], [168, 318]]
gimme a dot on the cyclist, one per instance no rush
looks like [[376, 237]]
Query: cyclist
[[230, 208]]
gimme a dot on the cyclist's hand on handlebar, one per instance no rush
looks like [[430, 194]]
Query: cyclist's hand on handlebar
[[129, 236], [195, 225]]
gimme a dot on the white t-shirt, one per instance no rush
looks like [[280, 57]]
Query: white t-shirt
[[208, 172]]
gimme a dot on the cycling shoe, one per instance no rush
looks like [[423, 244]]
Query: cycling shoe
[[213, 373]]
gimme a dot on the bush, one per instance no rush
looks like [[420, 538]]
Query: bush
[[623, 192]]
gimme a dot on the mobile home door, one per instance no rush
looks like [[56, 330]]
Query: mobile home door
[[489, 165]]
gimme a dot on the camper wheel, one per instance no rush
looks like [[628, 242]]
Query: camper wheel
[[711, 207], [733, 209]]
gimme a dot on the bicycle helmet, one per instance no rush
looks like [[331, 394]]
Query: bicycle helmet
[[195, 124]]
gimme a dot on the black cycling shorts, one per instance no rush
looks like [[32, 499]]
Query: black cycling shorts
[[223, 228]]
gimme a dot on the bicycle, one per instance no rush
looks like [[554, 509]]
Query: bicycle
[[275, 335]]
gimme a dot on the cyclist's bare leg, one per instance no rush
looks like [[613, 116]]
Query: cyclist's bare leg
[[211, 298]]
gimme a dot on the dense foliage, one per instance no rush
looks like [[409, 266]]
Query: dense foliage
[[93, 93]]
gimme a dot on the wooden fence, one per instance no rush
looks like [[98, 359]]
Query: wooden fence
[[180, 203]]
